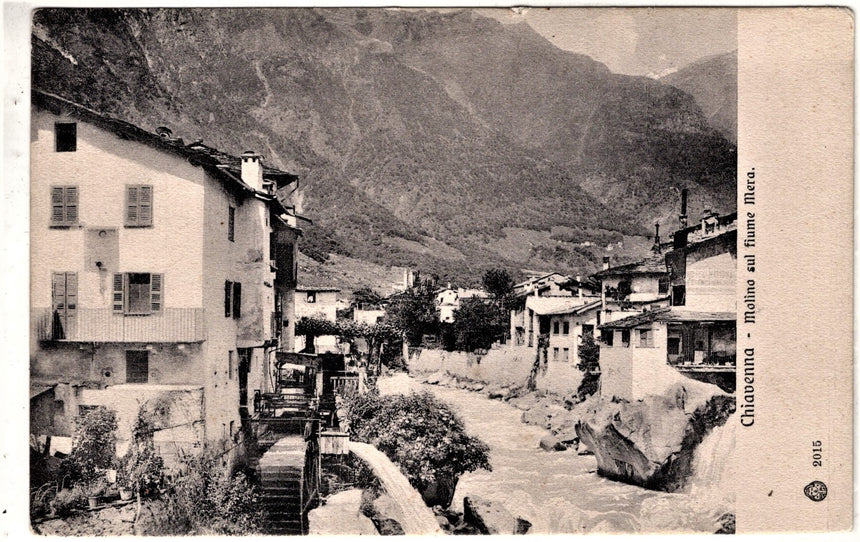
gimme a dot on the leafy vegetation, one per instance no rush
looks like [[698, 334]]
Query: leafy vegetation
[[589, 357], [93, 446], [414, 311], [419, 433]]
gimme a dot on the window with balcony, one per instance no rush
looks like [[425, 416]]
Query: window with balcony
[[138, 205], [64, 205], [138, 293], [137, 366], [64, 301], [65, 136]]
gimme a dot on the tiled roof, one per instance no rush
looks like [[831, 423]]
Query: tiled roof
[[546, 306], [653, 265], [196, 152], [670, 314]]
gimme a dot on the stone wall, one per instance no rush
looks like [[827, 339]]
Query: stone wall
[[507, 366]]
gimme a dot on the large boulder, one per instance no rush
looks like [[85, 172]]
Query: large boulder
[[651, 442], [550, 443], [492, 518]]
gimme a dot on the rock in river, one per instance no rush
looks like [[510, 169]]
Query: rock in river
[[651, 442], [492, 518], [550, 443]]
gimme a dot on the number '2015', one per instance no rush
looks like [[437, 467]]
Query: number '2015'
[[816, 453]]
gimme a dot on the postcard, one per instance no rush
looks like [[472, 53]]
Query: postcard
[[347, 271]]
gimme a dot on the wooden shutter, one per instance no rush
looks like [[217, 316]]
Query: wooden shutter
[[228, 298], [58, 292], [144, 211], [58, 212], [118, 289], [71, 295], [237, 300], [156, 291], [132, 199], [71, 203]]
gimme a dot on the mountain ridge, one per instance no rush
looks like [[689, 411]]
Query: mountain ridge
[[403, 139]]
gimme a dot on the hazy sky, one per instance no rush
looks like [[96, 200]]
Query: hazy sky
[[634, 41]]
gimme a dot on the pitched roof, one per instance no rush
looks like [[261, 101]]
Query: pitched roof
[[317, 289], [654, 264], [223, 165], [670, 314], [546, 306]]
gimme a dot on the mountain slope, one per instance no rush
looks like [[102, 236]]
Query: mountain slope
[[419, 136], [712, 81]]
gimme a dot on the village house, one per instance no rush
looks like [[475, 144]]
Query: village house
[[696, 334], [448, 301], [160, 270], [317, 302], [627, 290]]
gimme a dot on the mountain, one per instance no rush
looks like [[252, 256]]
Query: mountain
[[449, 143], [713, 82]]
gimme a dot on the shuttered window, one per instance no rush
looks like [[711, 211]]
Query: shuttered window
[[138, 205], [138, 293], [231, 223], [64, 303], [64, 205], [237, 300]]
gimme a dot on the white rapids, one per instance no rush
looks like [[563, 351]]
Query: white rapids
[[561, 492]]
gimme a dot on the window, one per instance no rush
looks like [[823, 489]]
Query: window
[[66, 136], [663, 285], [231, 223], [136, 366], [565, 328], [679, 293], [565, 355], [673, 346], [138, 293], [312, 297], [646, 338], [138, 205], [607, 336], [64, 205], [555, 327], [231, 370], [64, 301], [555, 354], [625, 338], [232, 299]]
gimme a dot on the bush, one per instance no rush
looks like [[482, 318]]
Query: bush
[[421, 435], [93, 445], [213, 500], [69, 500]]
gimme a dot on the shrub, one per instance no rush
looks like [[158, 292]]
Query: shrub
[[68, 500], [93, 445], [420, 434], [213, 500]]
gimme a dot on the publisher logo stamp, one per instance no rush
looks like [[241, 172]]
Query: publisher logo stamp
[[816, 491]]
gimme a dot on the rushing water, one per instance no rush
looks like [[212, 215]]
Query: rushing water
[[560, 492]]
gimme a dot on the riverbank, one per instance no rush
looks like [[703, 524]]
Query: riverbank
[[561, 492]]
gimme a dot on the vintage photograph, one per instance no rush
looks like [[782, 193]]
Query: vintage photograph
[[383, 271]]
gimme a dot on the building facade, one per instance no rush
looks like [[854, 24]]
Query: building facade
[[153, 273]]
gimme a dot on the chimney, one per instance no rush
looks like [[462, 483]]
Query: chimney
[[252, 170], [656, 247], [682, 218], [579, 285], [605, 263]]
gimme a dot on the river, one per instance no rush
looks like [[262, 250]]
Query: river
[[561, 492]]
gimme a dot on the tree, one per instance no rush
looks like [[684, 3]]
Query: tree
[[498, 283], [589, 364], [93, 445], [478, 323], [414, 312]]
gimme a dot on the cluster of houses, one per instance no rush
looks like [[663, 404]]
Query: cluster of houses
[[166, 268], [675, 307]]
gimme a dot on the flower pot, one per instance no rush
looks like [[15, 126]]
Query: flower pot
[[94, 501], [125, 494]]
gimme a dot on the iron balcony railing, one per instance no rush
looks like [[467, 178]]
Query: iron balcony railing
[[171, 325]]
